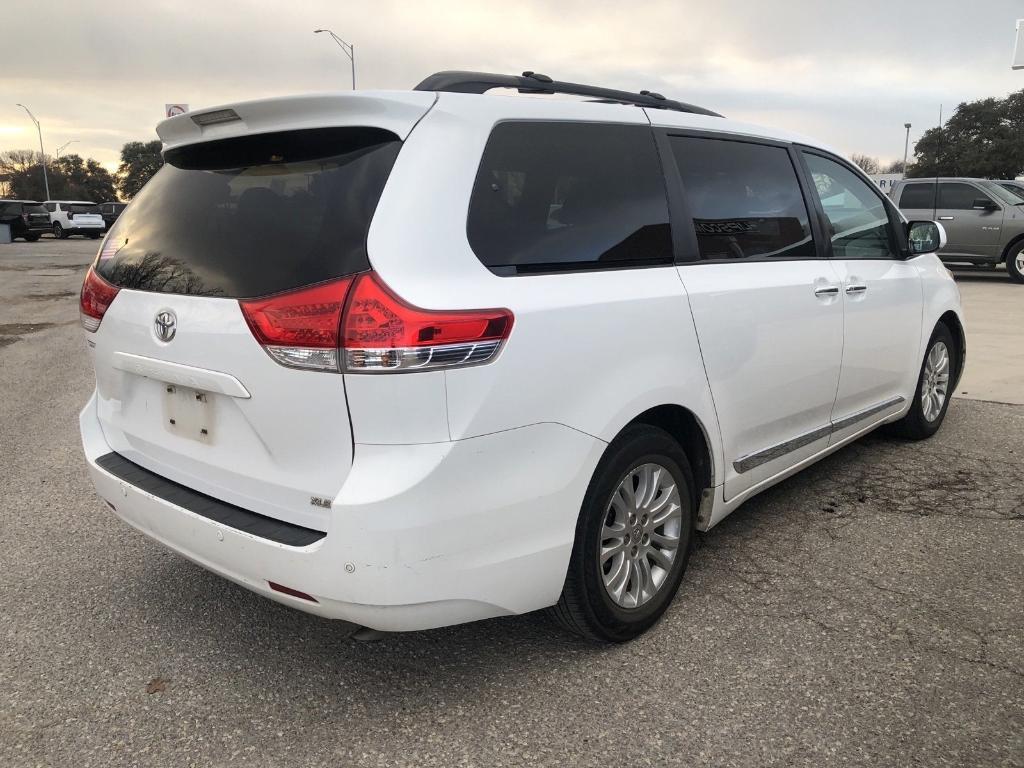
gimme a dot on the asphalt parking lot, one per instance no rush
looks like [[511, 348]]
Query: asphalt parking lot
[[869, 611]]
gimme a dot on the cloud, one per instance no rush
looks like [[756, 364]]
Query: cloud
[[849, 74]]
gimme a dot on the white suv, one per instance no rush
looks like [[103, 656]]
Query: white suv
[[418, 358], [75, 217]]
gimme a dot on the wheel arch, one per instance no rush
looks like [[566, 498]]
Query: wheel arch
[[693, 437], [1010, 246]]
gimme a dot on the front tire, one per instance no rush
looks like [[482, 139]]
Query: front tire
[[1015, 263], [633, 538], [931, 398]]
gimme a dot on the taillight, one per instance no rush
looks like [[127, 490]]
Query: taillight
[[97, 295], [381, 332], [300, 328], [375, 330]]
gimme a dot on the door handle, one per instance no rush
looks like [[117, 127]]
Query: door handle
[[829, 290], [945, 218], [857, 288]]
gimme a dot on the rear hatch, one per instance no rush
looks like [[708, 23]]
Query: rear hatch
[[85, 215], [35, 216], [184, 388]]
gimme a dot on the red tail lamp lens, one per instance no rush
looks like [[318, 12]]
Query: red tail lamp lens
[[378, 319], [308, 318], [97, 296]]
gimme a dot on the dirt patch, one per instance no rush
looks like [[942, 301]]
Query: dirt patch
[[20, 329], [50, 296]]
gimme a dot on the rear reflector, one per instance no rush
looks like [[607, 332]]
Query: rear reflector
[[381, 332], [292, 592], [377, 331], [97, 295]]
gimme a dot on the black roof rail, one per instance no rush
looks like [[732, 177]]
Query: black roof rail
[[534, 82]]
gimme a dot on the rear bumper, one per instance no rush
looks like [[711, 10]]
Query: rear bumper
[[420, 536]]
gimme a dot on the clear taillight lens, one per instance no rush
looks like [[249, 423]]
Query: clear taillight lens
[[374, 330], [96, 297]]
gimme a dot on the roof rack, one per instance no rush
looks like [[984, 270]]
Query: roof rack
[[534, 82]]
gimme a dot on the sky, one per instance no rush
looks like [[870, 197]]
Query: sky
[[847, 73]]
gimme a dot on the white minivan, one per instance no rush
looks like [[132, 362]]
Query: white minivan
[[424, 357]]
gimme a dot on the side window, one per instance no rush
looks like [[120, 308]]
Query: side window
[[858, 221], [744, 198], [569, 196], [956, 196], [918, 195]]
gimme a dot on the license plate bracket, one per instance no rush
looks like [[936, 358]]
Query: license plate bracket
[[188, 412]]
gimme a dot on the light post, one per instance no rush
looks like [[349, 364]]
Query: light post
[[42, 153], [906, 147], [348, 48], [64, 146]]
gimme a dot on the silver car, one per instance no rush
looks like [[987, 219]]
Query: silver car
[[984, 220]]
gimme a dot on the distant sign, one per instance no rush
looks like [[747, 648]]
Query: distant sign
[[886, 181], [175, 109], [1018, 47]]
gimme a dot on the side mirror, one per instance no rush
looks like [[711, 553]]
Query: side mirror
[[925, 237], [984, 204]]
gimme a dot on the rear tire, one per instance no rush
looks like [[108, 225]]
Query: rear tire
[[58, 231], [933, 392], [633, 538], [31, 238], [94, 236], [1015, 263]]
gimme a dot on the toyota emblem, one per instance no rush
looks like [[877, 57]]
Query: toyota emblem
[[165, 325]]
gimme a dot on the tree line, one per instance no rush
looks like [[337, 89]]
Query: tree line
[[982, 139], [72, 177]]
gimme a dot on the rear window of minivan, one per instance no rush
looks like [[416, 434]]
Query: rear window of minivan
[[553, 196], [253, 216]]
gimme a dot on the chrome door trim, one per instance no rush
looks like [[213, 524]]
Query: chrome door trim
[[853, 418], [751, 460], [756, 459]]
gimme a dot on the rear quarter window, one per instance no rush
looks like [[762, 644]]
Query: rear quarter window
[[253, 216], [569, 196]]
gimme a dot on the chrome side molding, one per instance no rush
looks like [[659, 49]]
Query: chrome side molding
[[752, 460]]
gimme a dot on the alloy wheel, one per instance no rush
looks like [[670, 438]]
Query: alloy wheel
[[935, 381], [640, 537]]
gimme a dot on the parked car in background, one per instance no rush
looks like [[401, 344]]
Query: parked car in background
[[417, 358], [984, 220], [26, 218], [1017, 187], [75, 217], [110, 211]]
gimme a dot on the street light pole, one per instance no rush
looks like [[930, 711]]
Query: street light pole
[[906, 147], [64, 146], [348, 48], [42, 152]]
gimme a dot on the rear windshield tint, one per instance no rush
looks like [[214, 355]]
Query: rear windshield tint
[[81, 208], [253, 216], [569, 196], [35, 208]]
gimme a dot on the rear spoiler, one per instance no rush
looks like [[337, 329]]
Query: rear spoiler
[[395, 111]]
